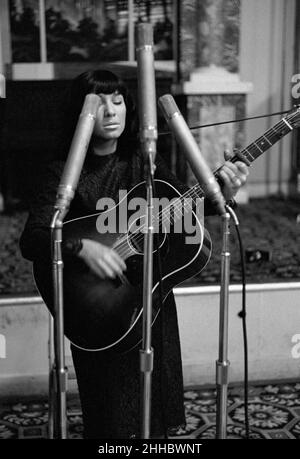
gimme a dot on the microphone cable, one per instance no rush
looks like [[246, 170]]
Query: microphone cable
[[242, 315], [239, 120]]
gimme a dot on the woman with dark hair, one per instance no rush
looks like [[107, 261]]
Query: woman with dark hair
[[96, 82], [109, 385]]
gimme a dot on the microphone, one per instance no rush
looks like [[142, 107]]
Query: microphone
[[146, 90], [77, 152], [194, 156]]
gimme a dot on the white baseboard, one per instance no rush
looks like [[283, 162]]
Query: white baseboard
[[273, 322]]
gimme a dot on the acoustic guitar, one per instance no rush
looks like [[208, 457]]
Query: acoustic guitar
[[106, 315]]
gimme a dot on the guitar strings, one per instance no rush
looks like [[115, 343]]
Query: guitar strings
[[122, 243], [197, 192]]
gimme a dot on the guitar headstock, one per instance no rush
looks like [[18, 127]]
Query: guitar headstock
[[293, 117]]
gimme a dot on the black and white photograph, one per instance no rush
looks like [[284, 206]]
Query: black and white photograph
[[149, 223]]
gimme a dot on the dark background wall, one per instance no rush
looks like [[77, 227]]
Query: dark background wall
[[31, 134]]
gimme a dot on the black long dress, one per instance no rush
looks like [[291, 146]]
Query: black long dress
[[110, 386]]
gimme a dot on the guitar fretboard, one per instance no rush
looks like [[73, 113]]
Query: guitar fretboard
[[255, 149], [263, 143]]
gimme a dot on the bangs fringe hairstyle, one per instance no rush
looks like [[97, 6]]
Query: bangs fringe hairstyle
[[96, 82]]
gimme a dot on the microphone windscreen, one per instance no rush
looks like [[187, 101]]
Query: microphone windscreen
[[168, 106], [91, 105]]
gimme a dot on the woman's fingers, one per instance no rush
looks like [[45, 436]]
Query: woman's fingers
[[111, 263], [102, 260], [117, 258], [236, 172], [227, 155], [230, 179], [233, 175], [106, 269]]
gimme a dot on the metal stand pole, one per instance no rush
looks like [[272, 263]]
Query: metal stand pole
[[148, 138], [59, 371], [222, 365], [146, 352], [51, 396], [65, 194]]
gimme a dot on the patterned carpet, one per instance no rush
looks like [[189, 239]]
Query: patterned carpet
[[274, 412]]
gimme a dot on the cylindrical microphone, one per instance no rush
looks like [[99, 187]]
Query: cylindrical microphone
[[146, 90], [194, 156], [77, 152]]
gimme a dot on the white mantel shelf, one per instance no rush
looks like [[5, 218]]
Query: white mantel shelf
[[213, 80]]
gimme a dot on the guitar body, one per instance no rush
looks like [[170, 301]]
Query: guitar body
[[106, 315]]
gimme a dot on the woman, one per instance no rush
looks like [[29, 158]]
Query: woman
[[109, 385]]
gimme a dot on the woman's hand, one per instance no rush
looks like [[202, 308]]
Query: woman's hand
[[233, 175], [102, 260]]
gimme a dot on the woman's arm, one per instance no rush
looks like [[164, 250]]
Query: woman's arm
[[232, 175], [35, 242]]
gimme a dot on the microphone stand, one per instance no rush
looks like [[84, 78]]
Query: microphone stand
[[222, 365], [65, 194], [60, 372], [148, 138], [146, 352]]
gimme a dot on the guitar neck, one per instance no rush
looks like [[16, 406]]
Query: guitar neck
[[255, 149], [250, 153], [266, 141]]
